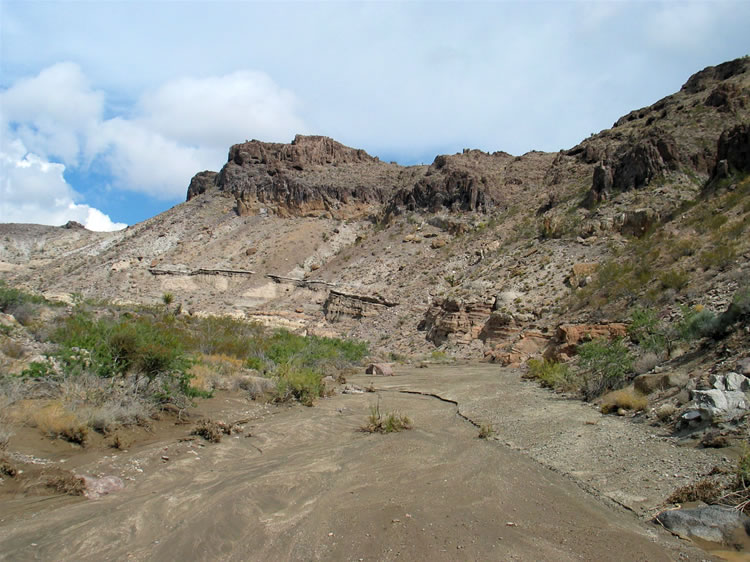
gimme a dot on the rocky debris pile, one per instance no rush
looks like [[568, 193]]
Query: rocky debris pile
[[725, 401]]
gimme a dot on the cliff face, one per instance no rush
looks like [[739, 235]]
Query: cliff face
[[312, 174]]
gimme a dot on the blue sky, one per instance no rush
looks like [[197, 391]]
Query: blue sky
[[107, 109]]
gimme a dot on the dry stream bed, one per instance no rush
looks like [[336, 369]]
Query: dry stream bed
[[558, 482]]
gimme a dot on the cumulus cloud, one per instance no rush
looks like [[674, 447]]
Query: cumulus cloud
[[35, 191], [170, 133], [219, 111]]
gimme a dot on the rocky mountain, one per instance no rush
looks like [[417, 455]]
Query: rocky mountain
[[477, 254]]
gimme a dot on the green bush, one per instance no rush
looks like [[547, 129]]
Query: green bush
[[674, 279], [552, 374], [647, 331], [696, 323], [148, 348], [299, 383], [11, 297], [606, 366]]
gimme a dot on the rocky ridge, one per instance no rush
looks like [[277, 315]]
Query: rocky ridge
[[485, 253]]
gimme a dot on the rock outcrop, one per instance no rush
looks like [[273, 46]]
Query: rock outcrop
[[456, 321], [312, 173], [202, 182], [340, 306]]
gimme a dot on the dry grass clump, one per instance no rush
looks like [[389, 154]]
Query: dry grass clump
[[626, 399], [212, 431], [391, 422], [7, 468], [62, 482], [487, 431], [57, 422], [705, 490]]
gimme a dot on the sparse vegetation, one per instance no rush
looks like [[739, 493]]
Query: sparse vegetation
[[391, 422], [552, 374], [487, 431], [625, 399], [605, 365], [114, 366]]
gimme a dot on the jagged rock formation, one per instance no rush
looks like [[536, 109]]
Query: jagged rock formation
[[312, 173], [476, 247]]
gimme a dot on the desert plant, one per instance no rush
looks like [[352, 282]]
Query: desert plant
[[647, 331], [389, 423], [167, 299], [552, 374], [696, 323], [487, 431], [605, 365], [625, 399]]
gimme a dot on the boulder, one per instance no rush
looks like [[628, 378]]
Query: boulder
[[651, 382], [379, 369], [730, 381], [713, 523]]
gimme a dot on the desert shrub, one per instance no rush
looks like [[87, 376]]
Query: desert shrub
[[58, 422], [167, 299], [647, 331], [738, 309], [696, 323], [646, 362], [674, 279], [302, 384], [112, 347], [626, 398], [392, 422], [552, 374], [313, 351], [212, 431], [217, 335], [11, 297], [62, 482], [13, 349], [39, 369], [606, 366], [719, 256]]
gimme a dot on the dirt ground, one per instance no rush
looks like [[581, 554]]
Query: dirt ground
[[305, 484]]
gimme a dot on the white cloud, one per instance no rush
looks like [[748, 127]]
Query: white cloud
[[53, 111], [34, 191], [182, 127], [220, 111]]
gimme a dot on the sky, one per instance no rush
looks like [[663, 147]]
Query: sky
[[108, 108]]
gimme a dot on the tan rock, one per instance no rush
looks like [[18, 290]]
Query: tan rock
[[379, 369]]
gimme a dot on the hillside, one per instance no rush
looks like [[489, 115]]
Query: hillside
[[464, 254], [615, 271]]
